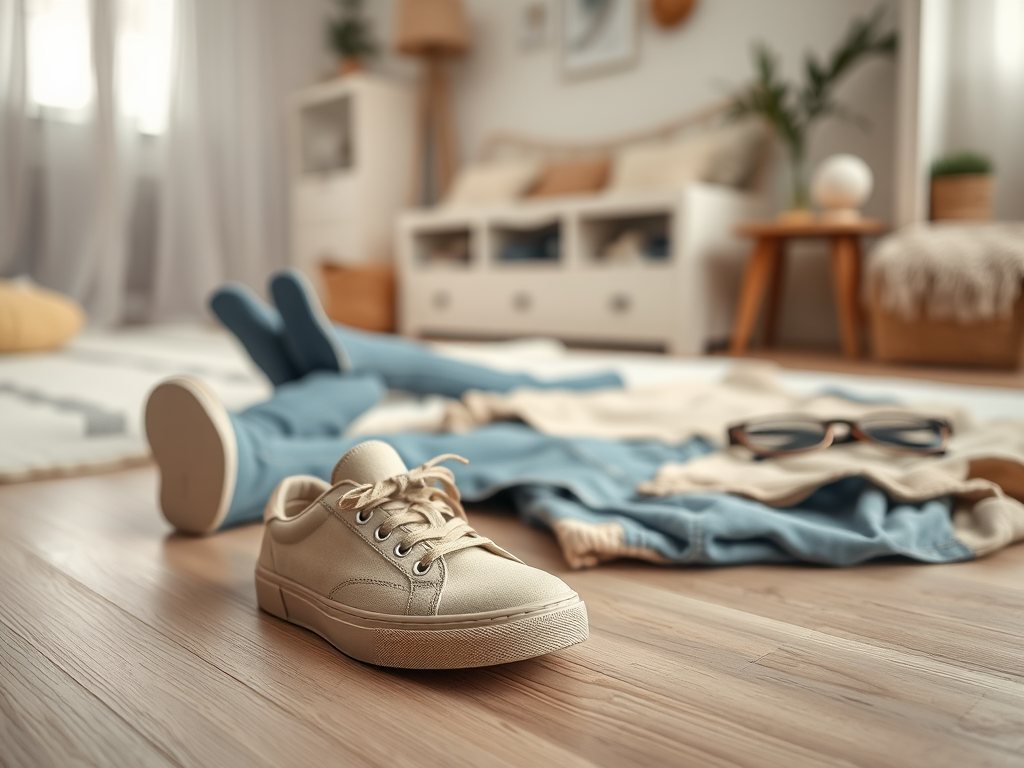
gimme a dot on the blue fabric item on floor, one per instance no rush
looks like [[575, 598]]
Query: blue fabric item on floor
[[258, 328], [414, 367], [298, 334], [552, 480]]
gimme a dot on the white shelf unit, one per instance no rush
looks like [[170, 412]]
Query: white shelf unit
[[351, 145], [682, 303]]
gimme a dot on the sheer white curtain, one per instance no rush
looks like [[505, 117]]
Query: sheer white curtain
[[223, 211], [141, 150], [985, 105], [13, 131]]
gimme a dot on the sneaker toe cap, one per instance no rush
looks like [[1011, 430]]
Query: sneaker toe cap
[[479, 581]]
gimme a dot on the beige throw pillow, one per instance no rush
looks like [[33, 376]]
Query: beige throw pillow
[[656, 166], [573, 177], [34, 319], [495, 182], [741, 148]]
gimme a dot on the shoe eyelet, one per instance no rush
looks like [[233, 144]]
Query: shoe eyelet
[[399, 552], [419, 570], [363, 520], [378, 537]]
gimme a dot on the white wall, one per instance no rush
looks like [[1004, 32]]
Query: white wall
[[499, 87]]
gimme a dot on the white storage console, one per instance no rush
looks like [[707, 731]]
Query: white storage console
[[566, 268]]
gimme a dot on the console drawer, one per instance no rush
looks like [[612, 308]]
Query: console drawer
[[630, 307]]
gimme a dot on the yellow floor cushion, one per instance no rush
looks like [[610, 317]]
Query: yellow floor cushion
[[33, 318]]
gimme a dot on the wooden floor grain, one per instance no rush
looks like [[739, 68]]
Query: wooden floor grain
[[123, 644]]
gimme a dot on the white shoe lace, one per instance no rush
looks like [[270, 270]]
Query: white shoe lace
[[431, 515]]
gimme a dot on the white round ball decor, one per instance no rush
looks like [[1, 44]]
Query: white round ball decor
[[840, 186]]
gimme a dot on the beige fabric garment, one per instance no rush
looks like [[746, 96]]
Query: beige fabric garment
[[983, 469], [671, 413]]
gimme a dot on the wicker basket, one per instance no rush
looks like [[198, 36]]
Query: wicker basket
[[360, 296], [991, 343], [964, 197]]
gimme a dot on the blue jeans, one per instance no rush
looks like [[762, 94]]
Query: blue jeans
[[412, 366], [592, 481], [295, 338]]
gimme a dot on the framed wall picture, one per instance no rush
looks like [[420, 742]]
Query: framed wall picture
[[598, 36]]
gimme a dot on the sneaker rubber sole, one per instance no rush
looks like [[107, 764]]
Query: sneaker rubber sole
[[193, 444], [426, 642]]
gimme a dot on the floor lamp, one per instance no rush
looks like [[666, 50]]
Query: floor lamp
[[434, 30]]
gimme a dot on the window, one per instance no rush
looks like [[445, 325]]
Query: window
[[60, 59], [59, 55], [1009, 24], [145, 35]]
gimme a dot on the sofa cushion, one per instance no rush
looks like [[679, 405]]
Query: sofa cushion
[[573, 177], [494, 182], [662, 165], [741, 147]]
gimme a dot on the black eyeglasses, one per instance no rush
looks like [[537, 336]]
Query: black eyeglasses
[[782, 435]]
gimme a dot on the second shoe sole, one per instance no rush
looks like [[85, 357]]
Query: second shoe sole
[[426, 642]]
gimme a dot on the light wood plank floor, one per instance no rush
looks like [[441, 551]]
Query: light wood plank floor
[[121, 644]]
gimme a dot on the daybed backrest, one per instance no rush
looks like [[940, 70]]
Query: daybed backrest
[[507, 146]]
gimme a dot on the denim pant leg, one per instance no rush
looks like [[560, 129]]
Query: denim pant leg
[[319, 404], [270, 436], [501, 455], [413, 367]]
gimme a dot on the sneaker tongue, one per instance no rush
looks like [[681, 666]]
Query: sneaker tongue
[[369, 462]]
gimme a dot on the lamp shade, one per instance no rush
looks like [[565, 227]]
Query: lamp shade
[[426, 27]]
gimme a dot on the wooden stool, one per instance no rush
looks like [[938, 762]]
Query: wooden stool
[[766, 267]]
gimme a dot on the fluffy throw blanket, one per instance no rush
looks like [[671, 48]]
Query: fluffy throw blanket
[[949, 271]]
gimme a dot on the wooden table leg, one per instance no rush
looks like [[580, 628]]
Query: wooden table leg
[[755, 280], [778, 276], [846, 279]]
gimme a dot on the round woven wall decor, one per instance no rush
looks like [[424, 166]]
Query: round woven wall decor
[[670, 13]]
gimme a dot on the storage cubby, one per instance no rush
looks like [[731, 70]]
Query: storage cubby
[[444, 248], [327, 136], [534, 245], [626, 240]]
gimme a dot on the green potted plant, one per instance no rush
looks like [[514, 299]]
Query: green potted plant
[[350, 36], [791, 110], [962, 187]]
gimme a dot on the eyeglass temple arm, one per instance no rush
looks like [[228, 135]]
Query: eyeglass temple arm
[[733, 434]]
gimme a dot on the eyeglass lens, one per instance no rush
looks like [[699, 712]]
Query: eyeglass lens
[[903, 432], [785, 435]]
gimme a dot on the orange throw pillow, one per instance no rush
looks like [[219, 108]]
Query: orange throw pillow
[[572, 177]]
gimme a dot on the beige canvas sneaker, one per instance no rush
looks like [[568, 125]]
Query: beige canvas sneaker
[[383, 564]]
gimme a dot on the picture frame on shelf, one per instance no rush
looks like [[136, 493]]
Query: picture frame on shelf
[[598, 36]]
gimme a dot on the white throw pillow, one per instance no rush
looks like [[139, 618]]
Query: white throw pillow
[[495, 182], [662, 165]]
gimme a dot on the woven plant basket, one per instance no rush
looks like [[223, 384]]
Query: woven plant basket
[[990, 343], [360, 296], [964, 197]]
